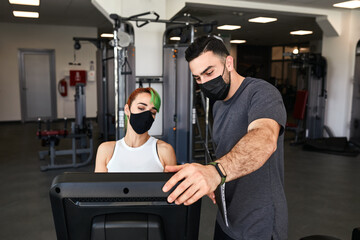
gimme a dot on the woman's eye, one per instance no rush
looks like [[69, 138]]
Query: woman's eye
[[142, 109]]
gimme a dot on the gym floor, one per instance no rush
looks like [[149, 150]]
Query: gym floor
[[322, 190]]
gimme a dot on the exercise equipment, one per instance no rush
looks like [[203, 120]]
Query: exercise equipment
[[186, 111], [298, 115], [80, 135], [312, 76], [180, 114], [105, 78]]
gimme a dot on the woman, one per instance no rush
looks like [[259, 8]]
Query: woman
[[137, 151]]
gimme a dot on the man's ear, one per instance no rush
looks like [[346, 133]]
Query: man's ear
[[229, 63], [127, 110]]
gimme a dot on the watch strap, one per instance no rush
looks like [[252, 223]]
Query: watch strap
[[216, 165]]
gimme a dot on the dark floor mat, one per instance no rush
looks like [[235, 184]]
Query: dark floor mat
[[334, 145]]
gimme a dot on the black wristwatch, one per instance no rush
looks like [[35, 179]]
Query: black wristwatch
[[222, 175]]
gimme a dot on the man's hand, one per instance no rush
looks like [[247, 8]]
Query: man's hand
[[198, 180]]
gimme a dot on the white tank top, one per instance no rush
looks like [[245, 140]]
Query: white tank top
[[139, 159]]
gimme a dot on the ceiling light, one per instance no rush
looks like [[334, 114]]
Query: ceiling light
[[296, 51], [25, 2], [175, 38], [301, 32], [348, 4], [238, 41], [228, 27], [26, 14], [107, 35], [262, 20]]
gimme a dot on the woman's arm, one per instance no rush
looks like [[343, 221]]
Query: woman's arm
[[166, 153], [103, 156]]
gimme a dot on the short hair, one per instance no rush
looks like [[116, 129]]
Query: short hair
[[204, 44], [155, 97]]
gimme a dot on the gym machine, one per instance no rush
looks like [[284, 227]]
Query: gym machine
[[180, 114], [187, 122], [106, 82], [80, 135], [312, 76]]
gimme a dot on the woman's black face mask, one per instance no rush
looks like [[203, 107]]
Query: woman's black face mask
[[216, 89], [141, 122]]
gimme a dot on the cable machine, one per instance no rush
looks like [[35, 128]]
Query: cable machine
[[180, 114], [312, 76], [106, 81]]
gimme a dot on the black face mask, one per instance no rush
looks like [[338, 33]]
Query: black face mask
[[141, 122], [216, 89]]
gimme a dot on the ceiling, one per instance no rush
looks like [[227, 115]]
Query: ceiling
[[270, 34], [302, 3], [58, 12], [83, 13]]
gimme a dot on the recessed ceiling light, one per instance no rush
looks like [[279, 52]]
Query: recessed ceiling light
[[301, 32], [26, 14], [175, 38], [228, 27], [238, 41], [262, 20], [107, 35], [348, 4], [25, 2]]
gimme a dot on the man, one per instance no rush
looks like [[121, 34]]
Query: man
[[249, 119]]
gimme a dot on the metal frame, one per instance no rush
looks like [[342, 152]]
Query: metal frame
[[22, 81], [73, 152], [81, 136], [119, 58]]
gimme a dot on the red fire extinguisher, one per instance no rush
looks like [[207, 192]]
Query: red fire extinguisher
[[62, 87]]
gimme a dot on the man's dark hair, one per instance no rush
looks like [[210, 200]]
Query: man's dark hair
[[205, 44]]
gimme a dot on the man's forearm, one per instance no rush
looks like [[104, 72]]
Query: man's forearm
[[249, 154]]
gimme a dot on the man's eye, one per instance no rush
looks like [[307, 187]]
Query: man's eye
[[209, 73]]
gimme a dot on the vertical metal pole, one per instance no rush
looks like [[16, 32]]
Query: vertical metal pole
[[192, 107], [105, 91], [116, 80], [119, 85], [121, 95]]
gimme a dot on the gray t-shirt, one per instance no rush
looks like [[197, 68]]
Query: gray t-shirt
[[256, 203]]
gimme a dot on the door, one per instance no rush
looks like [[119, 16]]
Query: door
[[37, 84]]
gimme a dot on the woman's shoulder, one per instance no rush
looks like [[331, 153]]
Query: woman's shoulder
[[163, 145], [166, 153], [103, 156], [107, 147]]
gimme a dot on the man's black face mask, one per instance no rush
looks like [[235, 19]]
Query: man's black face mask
[[141, 122], [216, 89]]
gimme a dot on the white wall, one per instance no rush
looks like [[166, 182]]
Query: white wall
[[33, 36], [340, 55]]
